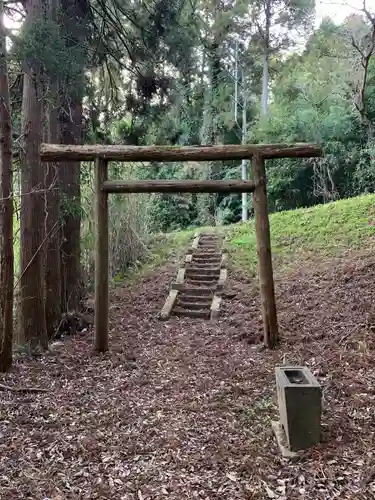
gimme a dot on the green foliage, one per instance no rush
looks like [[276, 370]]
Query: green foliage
[[172, 84], [306, 233], [70, 207], [313, 102], [53, 57], [364, 172]]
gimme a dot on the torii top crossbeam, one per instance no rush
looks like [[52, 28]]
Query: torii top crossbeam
[[60, 152]]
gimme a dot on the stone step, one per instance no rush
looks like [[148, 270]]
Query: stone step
[[202, 279], [207, 249], [205, 265], [208, 262], [208, 243], [199, 287], [202, 271], [189, 291], [194, 306], [192, 314], [206, 256], [204, 298], [202, 286], [208, 246]]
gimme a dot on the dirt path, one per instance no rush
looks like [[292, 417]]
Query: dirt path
[[182, 409]]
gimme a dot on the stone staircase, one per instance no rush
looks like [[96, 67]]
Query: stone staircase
[[196, 291]]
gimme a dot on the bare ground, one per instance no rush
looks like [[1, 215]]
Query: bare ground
[[182, 409]]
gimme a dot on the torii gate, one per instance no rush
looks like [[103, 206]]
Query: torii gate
[[103, 154]]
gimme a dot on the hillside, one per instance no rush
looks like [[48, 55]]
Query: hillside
[[183, 409], [319, 233], [315, 233]]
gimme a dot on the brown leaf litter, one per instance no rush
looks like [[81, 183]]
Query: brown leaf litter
[[182, 409]]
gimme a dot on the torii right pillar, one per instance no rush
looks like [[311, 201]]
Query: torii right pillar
[[263, 238]]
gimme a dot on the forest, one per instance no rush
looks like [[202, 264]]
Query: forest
[[212, 298], [160, 72]]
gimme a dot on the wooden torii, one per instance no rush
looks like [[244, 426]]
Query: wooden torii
[[103, 154]]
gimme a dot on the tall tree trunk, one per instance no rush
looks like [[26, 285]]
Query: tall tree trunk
[[266, 55], [71, 130], [75, 18], [33, 321], [6, 209], [214, 167], [53, 268]]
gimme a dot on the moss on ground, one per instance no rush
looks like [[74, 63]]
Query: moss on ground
[[317, 232]]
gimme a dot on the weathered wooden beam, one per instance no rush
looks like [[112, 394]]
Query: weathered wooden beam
[[263, 237], [101, 258], [62, 152], [171, 186]]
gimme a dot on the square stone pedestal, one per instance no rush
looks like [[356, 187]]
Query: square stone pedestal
[[299, 397]]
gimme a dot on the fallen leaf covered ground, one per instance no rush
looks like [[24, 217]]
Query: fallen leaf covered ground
[[182, 409]]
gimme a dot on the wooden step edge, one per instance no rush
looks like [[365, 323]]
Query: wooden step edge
[[203, 276], [187, 260], [192, 298], [206, 267], [204, 270], [204, 287], [202, 281], [208, 250], [195, 243], [202, 291], [194, 306], [202, 273], [224, 261], [222, 278], [215, 307], [207, 257], [180, 275], [191, 314], [168, 305], [207, 264]]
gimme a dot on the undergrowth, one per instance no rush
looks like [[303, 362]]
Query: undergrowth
[[161, 249]]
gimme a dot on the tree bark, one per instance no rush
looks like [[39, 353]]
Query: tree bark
[[58, 152], [33, 321], [74, 17], [53, 224], [166, 186], [70, 189], [365, 49], [101, 257], [6, 209], [262, 229], [213, 136], [266, 55]]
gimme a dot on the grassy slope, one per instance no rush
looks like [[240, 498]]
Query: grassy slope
[[306, 234], [318, 232]]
